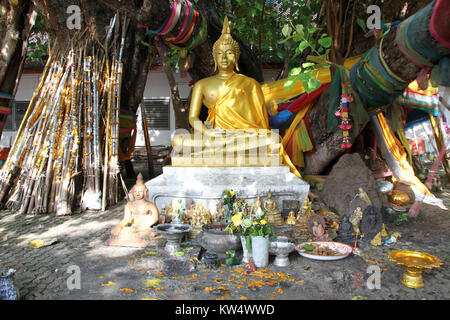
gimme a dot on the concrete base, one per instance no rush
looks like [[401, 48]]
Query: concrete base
[[208, 183]]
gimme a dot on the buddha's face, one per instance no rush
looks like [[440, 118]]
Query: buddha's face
[[225, 57], [139, 193]]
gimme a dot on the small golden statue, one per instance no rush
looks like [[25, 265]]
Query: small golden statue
[[200, 217], [355, 220], [306, 208], [301, 231], [291, 218], [273, 216], [258, 203], [139, 215], [219, 215], [169, 212]]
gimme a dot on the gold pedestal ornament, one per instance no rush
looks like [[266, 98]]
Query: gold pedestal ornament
[[414, 263]]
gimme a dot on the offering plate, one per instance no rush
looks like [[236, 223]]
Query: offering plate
[[414, 263]]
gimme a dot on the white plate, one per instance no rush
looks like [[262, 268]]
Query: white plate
[[342, 248]]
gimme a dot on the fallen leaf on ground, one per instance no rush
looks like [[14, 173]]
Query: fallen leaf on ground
[[153, 282], [149, 252], [110, 283], [39, 243], [127, 290]]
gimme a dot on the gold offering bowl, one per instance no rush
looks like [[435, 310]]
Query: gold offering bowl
[[414, 263]]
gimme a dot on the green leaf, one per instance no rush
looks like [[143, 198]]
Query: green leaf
[[298, 36], [307, 64], [325, 42], [362, 24], [299, 28], [303, 45], [313, 84], [289, 84], [286, 31], [295, 71]]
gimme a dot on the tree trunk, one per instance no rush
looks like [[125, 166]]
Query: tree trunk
[[328, 145], [16, 21]]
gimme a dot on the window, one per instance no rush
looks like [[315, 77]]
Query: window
[[157, 113], [16, 116]]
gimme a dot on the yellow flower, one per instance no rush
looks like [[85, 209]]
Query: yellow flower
[[232, 193], [255, 222], [263, 222], [237, 219]]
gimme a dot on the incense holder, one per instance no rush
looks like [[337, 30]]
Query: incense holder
[[173, 233]]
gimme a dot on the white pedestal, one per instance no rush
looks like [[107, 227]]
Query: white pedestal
[[208, 183]]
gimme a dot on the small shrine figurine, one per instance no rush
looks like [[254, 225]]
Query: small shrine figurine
[[301, 231], [291, 218], [345, 232], [190, 210], [139, 215], [258, 203], [162, 215], [306, 207], [200, 217], [219, 215], [169, 212], [316, 225], [179, 214], [273, 216], [355, 220], [372, 225]]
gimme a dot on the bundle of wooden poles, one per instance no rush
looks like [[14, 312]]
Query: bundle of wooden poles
[[70, 129]]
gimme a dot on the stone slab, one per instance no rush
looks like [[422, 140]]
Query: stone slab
[[208, 183]]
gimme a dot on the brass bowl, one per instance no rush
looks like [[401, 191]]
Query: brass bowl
[[398, 197], [414, 263]]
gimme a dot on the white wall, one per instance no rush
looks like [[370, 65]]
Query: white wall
[[157, 87], [27, 84]]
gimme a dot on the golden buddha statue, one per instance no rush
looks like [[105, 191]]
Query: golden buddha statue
[[139, 215], [200, 217], [169, 212], [239, 132], [301, 230], [291, 219], [273, 216]]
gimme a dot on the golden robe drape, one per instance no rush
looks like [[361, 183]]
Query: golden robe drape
[[240, 104]]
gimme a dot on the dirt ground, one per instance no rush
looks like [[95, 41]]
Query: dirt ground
[[119, 273]]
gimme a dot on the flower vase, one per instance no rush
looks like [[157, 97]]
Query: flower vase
[[244, 250], [260, 251]]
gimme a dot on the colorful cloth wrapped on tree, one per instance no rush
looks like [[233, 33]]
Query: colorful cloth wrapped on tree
[[425, 100]]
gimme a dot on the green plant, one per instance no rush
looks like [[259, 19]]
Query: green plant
[[303, 37], [228, 199], [402, 218]]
